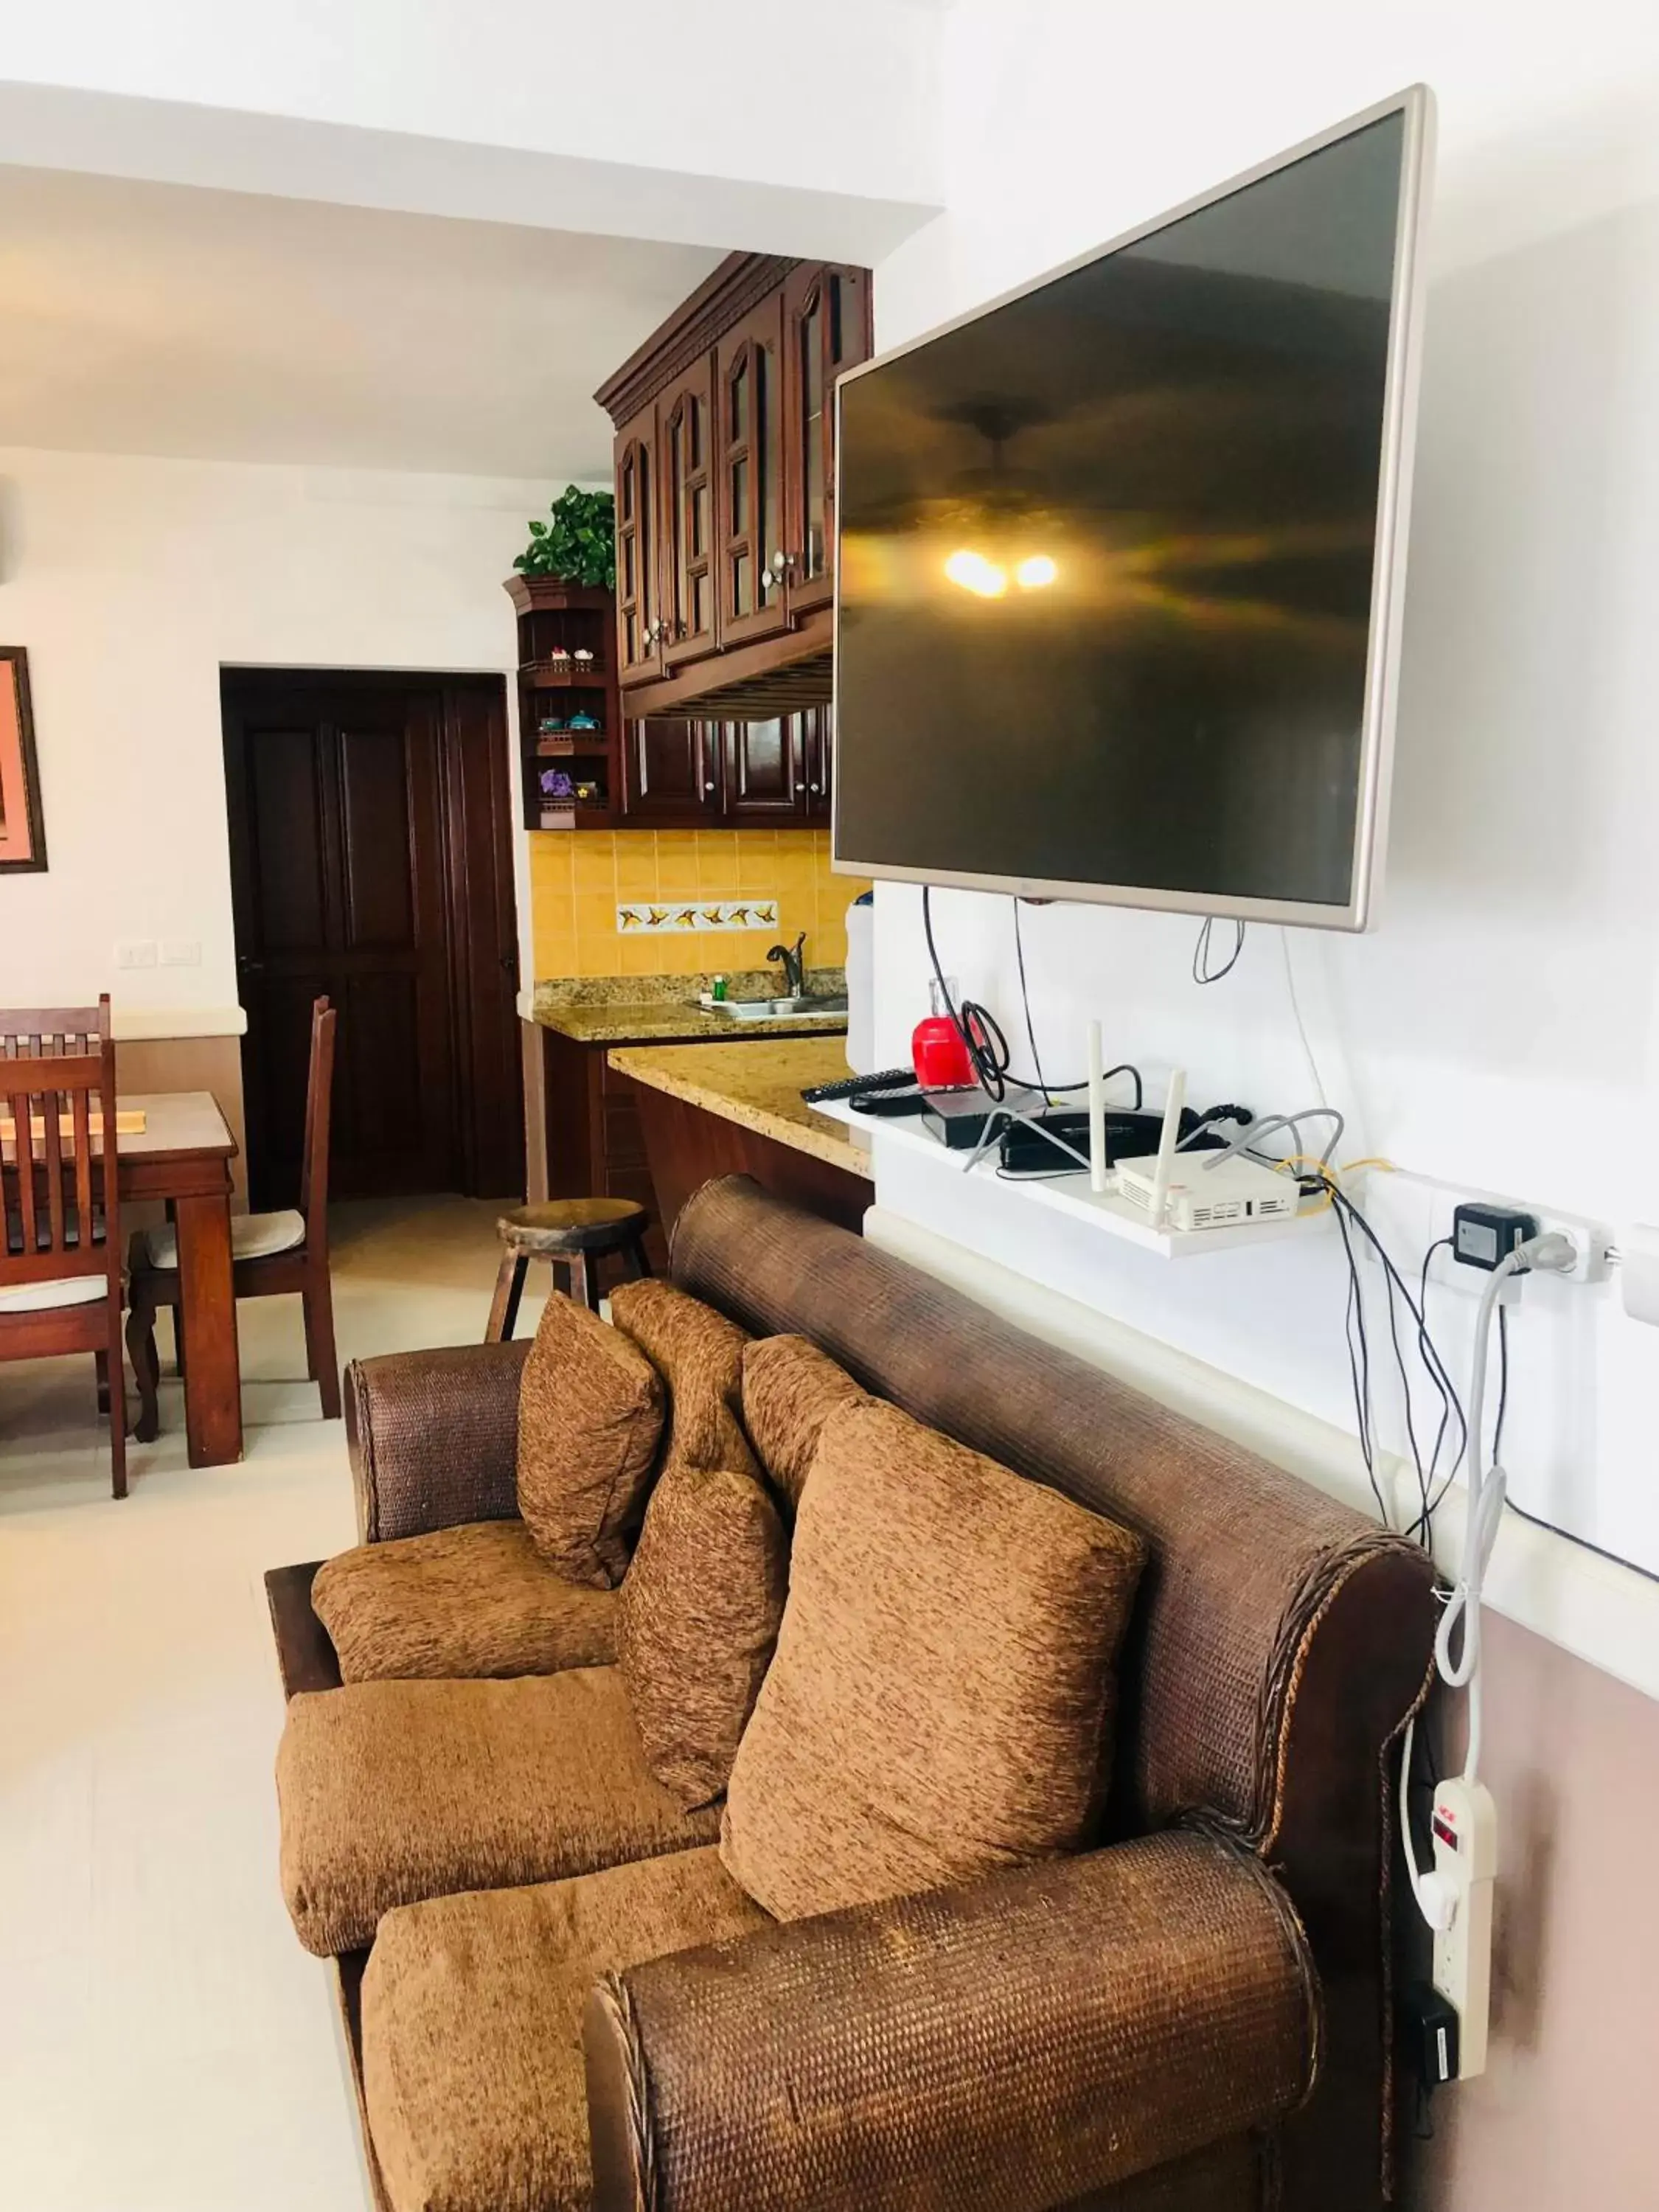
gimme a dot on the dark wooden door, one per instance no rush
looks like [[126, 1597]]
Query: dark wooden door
[[686, 442], [749, 447], [818, 761], [671, 771], [371, 860], [826, 329], [640, 622], [763, 762]]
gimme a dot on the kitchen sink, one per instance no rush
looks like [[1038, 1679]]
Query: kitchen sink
[[778, 1009]]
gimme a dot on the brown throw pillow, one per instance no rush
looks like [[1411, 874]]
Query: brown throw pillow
[[476, 1599], [590, 1416], [699, 1354], [938, 1702], [698, 1619], [790, 1388]]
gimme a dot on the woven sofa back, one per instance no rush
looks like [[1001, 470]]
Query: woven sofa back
[[1245, 1558]]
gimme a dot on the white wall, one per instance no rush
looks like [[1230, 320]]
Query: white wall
[[1501, 1029], [700, 121], [130, 582]]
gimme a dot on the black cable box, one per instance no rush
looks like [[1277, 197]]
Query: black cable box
[[1129, 1136], [957, 1118]]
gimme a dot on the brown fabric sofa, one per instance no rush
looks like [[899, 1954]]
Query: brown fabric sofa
[[1193, 2016]]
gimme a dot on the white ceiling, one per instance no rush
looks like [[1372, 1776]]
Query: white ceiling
[[163, 319]]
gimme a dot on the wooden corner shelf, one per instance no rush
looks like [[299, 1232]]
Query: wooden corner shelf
[[557, 617]]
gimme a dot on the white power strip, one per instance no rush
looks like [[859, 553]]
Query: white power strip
[[1465, 1828]]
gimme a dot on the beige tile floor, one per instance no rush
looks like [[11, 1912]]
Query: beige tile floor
[[165, 2044]]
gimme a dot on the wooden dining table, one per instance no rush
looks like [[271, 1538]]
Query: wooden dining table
[[183, 1154]]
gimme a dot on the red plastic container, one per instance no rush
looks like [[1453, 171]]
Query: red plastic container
[[937, 1051]]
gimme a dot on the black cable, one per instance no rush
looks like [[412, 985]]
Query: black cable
[[1359, 1366], [1347, 1214], [1025, 1000], [988, 1048], [1202, 971]]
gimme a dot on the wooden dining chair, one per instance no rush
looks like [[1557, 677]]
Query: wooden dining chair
[[270, 1254], [60, 1270]]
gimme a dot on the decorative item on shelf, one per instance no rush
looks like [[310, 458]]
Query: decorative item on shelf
[[557, 784], [585, 662], [22, 833], [583, 722], [577, 543], [589, 791], [550, 724], [559, 660]]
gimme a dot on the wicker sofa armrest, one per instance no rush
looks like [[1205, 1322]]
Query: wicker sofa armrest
[[1003, 2046], [433, 1438]]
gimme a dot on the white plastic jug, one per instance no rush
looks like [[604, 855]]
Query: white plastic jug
[[861, 985]]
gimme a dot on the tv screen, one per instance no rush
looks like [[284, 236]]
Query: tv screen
[[1119, 558]]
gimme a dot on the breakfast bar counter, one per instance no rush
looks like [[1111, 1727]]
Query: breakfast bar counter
[[735, 1107]]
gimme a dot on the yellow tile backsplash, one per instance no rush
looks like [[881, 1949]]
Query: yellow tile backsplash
[[577, 877]]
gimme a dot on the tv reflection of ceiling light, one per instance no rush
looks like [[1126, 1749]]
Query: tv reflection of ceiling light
[[976, 574], [1036, 572]]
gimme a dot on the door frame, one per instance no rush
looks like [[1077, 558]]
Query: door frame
[[473, 714]]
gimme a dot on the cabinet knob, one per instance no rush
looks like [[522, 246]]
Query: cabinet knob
[[815, 787], [708, 791]]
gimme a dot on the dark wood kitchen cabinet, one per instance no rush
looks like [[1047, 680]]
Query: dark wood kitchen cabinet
[[680, 772], [725, 460], [670, 773]]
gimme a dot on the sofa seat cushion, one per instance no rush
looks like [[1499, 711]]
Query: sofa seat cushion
[[475, 1600], [395, 1791], [790, 1388], [590, 1420], [942, 1695], [472, 2026], [699, 1354]]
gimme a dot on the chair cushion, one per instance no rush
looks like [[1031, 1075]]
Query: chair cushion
[[252, 1236], [790, 1388], [394, 1791], [475, 1600], [590, 1418], [698, 1619], [939, 1701], [47, 1298], [473, 2080], [699, 1354]]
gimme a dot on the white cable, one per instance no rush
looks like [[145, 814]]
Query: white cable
[[1301, 1026], [1484, 1515]]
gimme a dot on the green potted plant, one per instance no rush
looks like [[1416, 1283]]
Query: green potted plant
[[577, 544]]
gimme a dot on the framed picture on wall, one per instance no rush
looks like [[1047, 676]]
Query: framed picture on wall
[[22, 832]]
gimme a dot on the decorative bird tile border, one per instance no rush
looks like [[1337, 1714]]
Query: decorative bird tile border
[[663, 918]]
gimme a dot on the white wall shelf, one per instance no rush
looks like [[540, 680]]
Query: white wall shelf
[[1071, 1194]]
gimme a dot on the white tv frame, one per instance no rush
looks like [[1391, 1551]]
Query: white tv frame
[[1416, 105]]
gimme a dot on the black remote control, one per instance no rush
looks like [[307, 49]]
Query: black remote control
[[852, 1086]]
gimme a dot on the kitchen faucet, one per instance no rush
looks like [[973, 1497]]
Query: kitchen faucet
[[794, 957]]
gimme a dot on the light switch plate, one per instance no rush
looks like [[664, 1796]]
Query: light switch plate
[[135, 952], [181, 951]]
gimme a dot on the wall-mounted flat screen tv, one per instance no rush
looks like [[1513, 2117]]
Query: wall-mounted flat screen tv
[[1121, 557]]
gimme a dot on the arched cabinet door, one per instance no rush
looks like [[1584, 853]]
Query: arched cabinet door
[[826, 329], [750, 452], [641, 623], [686, 457]]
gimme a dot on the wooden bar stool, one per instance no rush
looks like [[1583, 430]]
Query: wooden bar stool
[[570, 1233]]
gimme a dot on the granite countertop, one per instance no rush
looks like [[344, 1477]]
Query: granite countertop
[[759, 1087], [663, 1009]]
